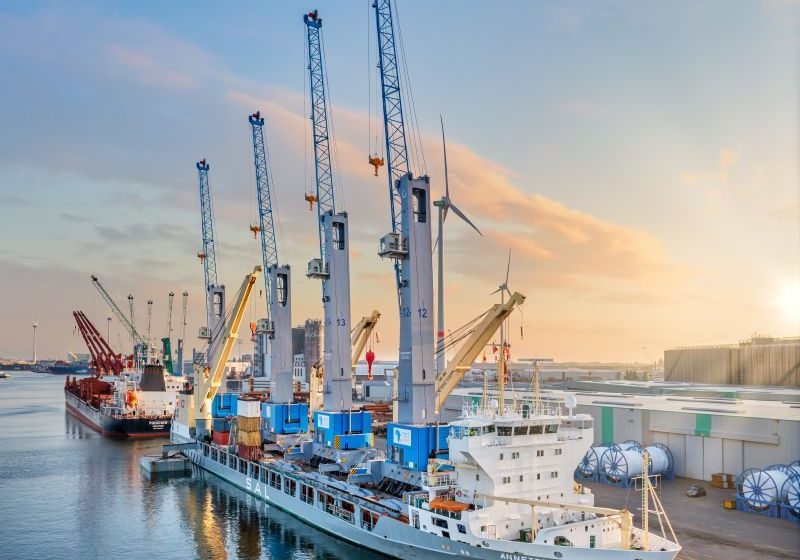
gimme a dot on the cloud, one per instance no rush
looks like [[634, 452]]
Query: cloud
[[145, 68], [716, 176]]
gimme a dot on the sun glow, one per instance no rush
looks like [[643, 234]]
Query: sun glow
[[789, 301]]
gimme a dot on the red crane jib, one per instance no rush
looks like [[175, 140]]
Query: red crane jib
[[104, 360]]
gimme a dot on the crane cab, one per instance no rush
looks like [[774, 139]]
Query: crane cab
[[316, 269], [393, 247]]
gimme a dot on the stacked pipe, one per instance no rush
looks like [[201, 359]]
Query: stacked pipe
[[772, 491], [589, 467], [619, 465], [248, 429]]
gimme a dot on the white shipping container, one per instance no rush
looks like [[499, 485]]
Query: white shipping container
[[249, 408]]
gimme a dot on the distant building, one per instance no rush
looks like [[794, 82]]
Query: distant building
[[312, 344], [761, 360], [298, 339], [299, 369]]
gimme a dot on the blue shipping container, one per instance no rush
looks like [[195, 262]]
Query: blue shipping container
[[412, 446]]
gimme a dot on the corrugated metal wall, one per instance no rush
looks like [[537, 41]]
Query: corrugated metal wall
[[761, 361], [713, 364]]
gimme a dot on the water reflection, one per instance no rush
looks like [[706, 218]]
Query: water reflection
[[229, 523]]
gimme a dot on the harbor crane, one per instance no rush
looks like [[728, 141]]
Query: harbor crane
[[140, 348], [420, 391], [333, 265], [273, 334], [215, 294], [409, 241]]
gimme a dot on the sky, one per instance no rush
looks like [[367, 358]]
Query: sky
[[639, 159]]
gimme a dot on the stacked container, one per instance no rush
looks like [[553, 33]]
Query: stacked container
[[223, 408], [248, 433]]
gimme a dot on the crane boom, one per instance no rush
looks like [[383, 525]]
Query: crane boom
[[326, 199], [208, 256], [137, 338], [207, 383], [361, 333], [393, 124], [266, 223], [472, 347]]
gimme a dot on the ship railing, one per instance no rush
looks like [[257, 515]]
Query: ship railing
[[438, 479]]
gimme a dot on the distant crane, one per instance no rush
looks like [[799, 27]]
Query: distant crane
[[179, 369], [130, 307], [166, 342], [140, 349], [333, 266]]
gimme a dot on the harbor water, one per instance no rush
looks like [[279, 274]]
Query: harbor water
[[68, 493]]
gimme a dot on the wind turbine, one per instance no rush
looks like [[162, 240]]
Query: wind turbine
[[501, 364], [444, 204]]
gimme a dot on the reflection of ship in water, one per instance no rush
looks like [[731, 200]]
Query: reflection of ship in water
[[229, 523]]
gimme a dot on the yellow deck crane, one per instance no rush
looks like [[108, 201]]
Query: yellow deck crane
[[194, 411], [472, 347]]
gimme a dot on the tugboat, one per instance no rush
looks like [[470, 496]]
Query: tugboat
[[120, 399]]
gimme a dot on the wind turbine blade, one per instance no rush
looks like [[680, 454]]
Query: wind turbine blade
[[444, 212], [508, 291], [508, 267], [444, 150], [436, 243], [497, 290], [461, 215]]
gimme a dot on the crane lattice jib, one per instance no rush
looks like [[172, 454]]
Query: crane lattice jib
[[209, 255], [319, 120], [269, 245], [394, 129], [137, 338]]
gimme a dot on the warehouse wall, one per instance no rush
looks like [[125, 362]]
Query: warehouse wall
[[716, 365], [760, 361], [701, 444]]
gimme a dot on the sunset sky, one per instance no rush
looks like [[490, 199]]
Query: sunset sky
[[640, 159]]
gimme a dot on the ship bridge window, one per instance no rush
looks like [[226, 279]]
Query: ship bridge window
[[439, 522], [520, 430], [503, 430], [552, 428], [536, 430]]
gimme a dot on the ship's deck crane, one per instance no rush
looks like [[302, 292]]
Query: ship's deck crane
[[471, 348], [208, 381], [273, 335], [104, 359], [179, 369], [333, 266], [362, 333], [140, 345]]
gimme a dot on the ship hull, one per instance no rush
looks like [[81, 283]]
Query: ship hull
[[398, 539], [115, 426]]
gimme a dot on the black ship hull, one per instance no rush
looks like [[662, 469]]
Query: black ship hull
[[117, 426]]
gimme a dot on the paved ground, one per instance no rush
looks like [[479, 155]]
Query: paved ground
[[708, 531]]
